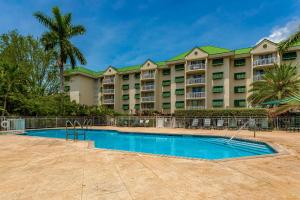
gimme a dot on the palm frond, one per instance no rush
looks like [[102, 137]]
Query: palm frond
[[293, 39], [77, 30], [45, 20]]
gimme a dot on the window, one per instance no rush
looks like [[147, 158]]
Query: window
[[240, 103], [125, 77], [137, 106], [137, 86], [239, 62], [166, 105], [125, 86], [217, 62], [137, 96], [166, 72], [125, 106], [179, 79], [240, 75], [137, 75], [217, 75], [218, 89], [239, 89], [67, 88], [166, 94], [217, 103], [179, 104], [289, 56], [179, 91], [166, 82], [179, 67], [125, 97]]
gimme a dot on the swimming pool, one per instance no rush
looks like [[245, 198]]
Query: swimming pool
[[189, 146]]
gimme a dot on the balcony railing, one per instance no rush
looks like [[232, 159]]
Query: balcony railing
[[108, 81], [108, 101], [148, 99], [265, 61], [195, 107], [108, 91], [258, 77], [147, 108], [191, 81], [196, 66], [148, 87], [148, 75], [195, 95]]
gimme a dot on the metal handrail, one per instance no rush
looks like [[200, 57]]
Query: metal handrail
[[75, 122], [239, 130]]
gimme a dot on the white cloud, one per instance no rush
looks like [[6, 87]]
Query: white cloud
[[280, 33]]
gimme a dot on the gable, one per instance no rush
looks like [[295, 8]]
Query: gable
[[109, 71], [196, 53], [265, 46], [148, 65]]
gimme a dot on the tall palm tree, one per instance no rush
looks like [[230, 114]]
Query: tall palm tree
[[278, 83], [291, 103], [290, 41], [58, 38]]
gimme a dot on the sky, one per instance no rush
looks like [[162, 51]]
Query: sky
[[128, 32]]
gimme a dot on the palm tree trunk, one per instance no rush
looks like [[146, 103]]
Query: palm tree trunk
[[4, 105], [62, 79]]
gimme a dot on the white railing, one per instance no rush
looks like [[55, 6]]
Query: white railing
[[148, 99], [108, 91], [196, 66], [191, 81], [258, 77], [147, 75], [147, 87], [108, 80], [265, 61], [195, 107], [195, 95], [108, 101]]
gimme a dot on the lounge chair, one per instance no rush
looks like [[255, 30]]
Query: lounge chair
[[265, 124], [147, 122], [232, 124], [220, 124], [195, 123], [207, 123], [141, 122]]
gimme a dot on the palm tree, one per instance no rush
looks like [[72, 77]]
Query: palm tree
[[278, 83], [58, 38], [292, 103], [290, 41]]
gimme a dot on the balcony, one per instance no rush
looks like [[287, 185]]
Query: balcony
[[108, 101], [193, 81], [108, 91], [195, 107], [148, 75], [148, 99], [264, 61], [147, 87], [108, 81], [195, 95], [198, 66], [147, 108], [258, 77]]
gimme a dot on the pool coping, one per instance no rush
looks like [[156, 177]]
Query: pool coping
[[279, 149]]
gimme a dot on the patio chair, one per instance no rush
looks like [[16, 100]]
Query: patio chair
[[252, 124], [207, 123], [232, 124], [135, 123], [141, 122], [220, 124], [147, 122]]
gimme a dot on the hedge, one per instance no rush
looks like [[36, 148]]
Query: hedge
[[241, 112]]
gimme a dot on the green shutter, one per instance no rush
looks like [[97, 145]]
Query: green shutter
[[240, 75], [217, 103], [125, 77], [125, 97], [166, 72], [179, 91], [239, 62], [137, 86], [125, 106], [179, 79], [137, 106], [240, 103], [179, 67], [289, 56], [217, 75], [239, 89], [166, 94], [217, 62], [125, 86], [137, 96], [166, 105], [137, 75], [166, 82], [179, 104], [218, 89]]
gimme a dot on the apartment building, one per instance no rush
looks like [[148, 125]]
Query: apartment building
[[202, 77]]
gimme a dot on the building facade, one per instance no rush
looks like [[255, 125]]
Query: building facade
[[203, 77]]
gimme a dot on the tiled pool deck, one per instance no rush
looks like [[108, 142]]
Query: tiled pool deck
[[41, 168]]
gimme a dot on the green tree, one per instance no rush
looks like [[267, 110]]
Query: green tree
[[278, 83], [58, 39], [290, 41]]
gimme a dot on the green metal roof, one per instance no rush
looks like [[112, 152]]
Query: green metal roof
[[242, 51], [83, 70], [129, 68]]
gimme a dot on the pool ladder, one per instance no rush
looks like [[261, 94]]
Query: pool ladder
[[75, 133], [240, 129]]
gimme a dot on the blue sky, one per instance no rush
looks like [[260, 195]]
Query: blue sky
[[127, 32]]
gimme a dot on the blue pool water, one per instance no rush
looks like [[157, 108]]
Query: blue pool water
[[206, 147]]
